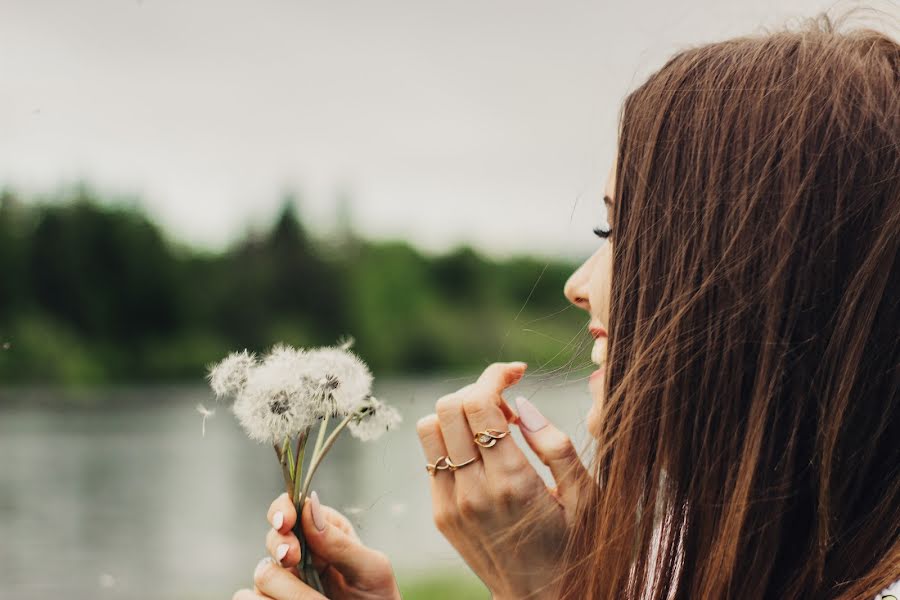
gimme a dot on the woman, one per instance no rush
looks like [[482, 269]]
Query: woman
[[746, 422]]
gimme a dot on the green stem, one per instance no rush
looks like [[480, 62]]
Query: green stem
[[285, 473], [321, 438], [292, 467], [318, 456], [298, 461]]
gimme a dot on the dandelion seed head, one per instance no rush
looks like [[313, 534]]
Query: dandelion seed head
[[277, 399], [228, 376], [375, 418], [343, 378]]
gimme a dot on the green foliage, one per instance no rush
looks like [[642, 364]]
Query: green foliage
[[92, 293], [443, 586]]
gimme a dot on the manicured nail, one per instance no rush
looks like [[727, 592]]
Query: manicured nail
[[529, 416], [281, 551], [261, 566], [318, 515], [278, 520]]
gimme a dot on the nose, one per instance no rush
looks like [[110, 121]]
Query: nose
[[576, 288]]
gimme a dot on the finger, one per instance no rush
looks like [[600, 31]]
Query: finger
[[247, 595], [555, 450], [502, 456], [470, 493], [443, 501], [280, 584], [284, 548], [334, 547], [432, 441], [499, 376], [335, 518], [282, 515]]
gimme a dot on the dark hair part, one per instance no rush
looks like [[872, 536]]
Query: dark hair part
[[751, 418]]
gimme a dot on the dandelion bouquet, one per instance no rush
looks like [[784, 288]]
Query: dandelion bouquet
[[289, 396]]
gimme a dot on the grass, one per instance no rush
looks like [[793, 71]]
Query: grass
[[443, 586]]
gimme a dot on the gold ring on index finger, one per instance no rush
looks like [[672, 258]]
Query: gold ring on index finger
[[488, 438]]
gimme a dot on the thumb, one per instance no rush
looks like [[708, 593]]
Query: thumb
[[331, 545], [555, 450]]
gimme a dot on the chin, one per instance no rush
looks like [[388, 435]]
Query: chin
[[593, 419]]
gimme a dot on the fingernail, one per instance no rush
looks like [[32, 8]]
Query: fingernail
[[318, 514], [278, 520], [281, 551], [261, 566], [529, 416]]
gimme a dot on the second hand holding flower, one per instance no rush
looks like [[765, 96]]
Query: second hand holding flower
[[279, 400]]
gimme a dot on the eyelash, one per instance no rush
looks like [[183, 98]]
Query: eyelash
[[602, 233]]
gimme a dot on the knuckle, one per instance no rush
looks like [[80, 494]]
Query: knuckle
[[561, 448], [514, 464], [473, 506], [264, 577], [444, 520], [476, 404], [426, 426], [448, 404], [507, 493], [380, 561]]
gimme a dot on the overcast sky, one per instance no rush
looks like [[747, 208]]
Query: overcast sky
[[491, 123]]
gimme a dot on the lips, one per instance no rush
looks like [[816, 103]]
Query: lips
[[597, 332]]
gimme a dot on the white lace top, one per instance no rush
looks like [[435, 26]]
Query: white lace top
[[891, 592]]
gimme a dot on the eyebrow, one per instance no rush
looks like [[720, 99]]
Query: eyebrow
[[607, 200]]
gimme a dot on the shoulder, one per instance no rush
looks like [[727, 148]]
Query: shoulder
[[891, 592]]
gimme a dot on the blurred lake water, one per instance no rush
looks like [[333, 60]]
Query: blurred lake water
[[114, 493]]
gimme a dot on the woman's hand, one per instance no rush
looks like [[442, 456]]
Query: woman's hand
[[349, 570], [475, 505]]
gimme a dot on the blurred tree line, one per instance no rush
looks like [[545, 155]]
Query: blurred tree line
[[93, 292]]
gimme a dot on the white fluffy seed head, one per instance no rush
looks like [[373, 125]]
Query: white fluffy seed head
[[344, 380], [375, 418], [277, 400], [228, 376]]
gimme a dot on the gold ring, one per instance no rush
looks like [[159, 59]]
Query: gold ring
[[440, 464], [452, 466], [489, 437]]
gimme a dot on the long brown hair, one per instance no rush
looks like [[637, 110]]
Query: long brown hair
[[750, 424]]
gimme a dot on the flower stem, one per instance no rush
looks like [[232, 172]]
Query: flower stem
[[318, 456], [321, 438], [285, 472], [298, 460]]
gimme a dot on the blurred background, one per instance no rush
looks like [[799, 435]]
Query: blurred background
[[183, 179]]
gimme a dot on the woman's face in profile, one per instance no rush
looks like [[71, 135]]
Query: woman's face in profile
[[589, 288]]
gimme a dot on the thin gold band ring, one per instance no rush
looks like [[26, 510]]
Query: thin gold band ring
[[452, 466], [440, 464]]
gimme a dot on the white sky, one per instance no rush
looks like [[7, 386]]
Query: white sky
[[446, 122]]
